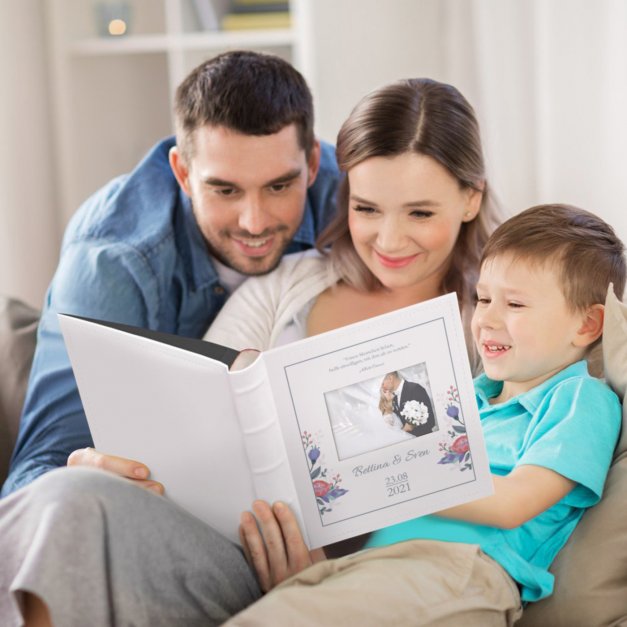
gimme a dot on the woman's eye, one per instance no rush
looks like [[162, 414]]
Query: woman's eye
[[421, 213], [364, 209]]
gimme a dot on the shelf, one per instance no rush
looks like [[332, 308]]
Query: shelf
[[137, 44]]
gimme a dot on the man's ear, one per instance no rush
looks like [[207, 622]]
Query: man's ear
[[179, 168], [313, 163], [592, 326]]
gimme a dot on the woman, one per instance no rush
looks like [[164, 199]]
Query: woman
[[386, 407], [414, 213]]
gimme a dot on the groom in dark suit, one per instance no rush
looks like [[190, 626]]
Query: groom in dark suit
[[404, 391]]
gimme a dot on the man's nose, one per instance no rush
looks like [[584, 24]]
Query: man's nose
[[253, 218]]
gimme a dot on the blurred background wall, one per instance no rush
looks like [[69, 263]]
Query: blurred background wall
[[548, 79]]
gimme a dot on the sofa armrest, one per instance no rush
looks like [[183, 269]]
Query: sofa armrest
[[18, 330]]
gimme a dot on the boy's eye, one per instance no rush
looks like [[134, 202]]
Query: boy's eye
[[515, 305], [482, 300]]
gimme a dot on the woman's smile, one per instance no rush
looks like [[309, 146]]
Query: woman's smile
[[395, 262]]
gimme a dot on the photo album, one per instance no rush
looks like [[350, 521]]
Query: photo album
[[355, 429]]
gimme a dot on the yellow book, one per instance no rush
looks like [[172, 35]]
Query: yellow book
[[242, 21], [252, 3]]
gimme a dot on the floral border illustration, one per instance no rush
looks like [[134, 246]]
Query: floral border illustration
[[456, 449], [326, 491]]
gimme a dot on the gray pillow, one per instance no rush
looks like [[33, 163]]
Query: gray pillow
[[18, 329], [591, 570]]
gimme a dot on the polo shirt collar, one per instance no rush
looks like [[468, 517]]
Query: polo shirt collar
[[487, 388]]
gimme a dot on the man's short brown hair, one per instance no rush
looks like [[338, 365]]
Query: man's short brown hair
[[248, 92]]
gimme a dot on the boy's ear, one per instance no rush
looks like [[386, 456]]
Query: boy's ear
[[592, 326]]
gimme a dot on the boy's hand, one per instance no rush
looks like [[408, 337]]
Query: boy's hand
[[273, 543], [128, 468]]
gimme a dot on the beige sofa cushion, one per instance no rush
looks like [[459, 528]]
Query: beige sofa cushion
[[591, 570], [18, 328]]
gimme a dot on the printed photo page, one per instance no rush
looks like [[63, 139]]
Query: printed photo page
[[380, 421]]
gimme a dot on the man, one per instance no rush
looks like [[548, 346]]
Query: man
[[417, 417], [162, 247]]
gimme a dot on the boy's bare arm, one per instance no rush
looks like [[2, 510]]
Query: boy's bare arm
[[526, 492]]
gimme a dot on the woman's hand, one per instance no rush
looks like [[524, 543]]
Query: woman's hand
[[273, 544], [128, 468]]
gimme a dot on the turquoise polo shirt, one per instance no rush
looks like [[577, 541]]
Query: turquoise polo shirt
[[569, 424]]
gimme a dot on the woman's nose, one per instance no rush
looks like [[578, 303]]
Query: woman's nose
[[390, 237]]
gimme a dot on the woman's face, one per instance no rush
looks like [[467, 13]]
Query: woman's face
[[404, 216]]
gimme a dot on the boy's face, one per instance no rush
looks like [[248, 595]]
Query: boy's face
[[248, 192], [522, 325]]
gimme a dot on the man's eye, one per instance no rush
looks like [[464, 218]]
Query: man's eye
[[279, 187], [225, 191]]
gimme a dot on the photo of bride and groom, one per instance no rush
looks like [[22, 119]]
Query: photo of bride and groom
[[376, 413], [406, 405]]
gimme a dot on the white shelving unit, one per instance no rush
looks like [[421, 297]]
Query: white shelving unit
[[113, 96]]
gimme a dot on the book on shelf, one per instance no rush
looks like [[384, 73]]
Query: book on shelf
[[266, 7], [300, 423], [252, 5], [254, 20]]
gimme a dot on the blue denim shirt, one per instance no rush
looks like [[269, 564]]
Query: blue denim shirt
[[133, 253]]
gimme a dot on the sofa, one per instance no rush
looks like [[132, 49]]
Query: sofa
[[590, 571]]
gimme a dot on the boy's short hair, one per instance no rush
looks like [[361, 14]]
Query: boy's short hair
[[249, 92], [583, 248]]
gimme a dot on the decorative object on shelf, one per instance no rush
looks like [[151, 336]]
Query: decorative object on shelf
[[113, 17], [206, 14], [260, 14]]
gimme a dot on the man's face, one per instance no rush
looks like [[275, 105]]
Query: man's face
[[248, 193], [390, 383]]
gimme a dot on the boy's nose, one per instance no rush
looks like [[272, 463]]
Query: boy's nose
[[488, 317]]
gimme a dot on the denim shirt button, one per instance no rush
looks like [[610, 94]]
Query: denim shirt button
[[218, 289]]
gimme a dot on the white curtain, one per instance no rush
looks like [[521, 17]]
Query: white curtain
[[552, 88], [548, 79], [29, 229]]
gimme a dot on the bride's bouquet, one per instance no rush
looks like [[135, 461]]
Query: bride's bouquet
[[415, 412]]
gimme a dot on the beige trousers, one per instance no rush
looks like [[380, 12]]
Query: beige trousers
[[419, 582]]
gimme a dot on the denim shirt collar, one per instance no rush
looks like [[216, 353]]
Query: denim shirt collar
[[193, 247], [306, 232], [487, 388]]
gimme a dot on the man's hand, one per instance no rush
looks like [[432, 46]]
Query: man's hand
[[273, 544], [121, 466]]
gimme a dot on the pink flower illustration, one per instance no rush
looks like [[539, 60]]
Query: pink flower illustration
[[460, 445], [321, 487]]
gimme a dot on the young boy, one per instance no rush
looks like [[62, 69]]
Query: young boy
[[550, 430]]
